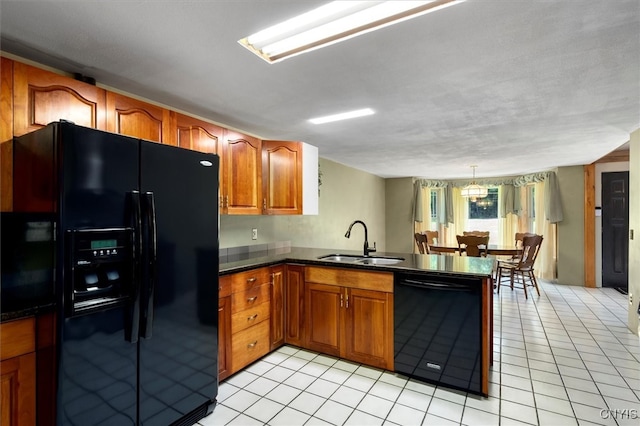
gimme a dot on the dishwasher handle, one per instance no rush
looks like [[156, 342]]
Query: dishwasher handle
[[438, 286]]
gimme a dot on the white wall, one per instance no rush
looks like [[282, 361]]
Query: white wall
[[603, 168], [346, 194]]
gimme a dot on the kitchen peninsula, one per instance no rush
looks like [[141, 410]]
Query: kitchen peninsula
[[358, 310]]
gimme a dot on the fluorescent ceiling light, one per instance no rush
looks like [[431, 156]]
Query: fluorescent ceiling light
[[334, 22], [342, 116]]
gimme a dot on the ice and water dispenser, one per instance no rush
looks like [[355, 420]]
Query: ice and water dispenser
[[101, 269]]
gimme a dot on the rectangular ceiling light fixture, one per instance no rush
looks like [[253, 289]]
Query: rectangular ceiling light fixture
[[332, 23], [342, 116]]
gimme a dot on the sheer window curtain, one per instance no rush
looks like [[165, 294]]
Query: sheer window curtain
[[425, 204], [507, 218], [546, 261], [460, 215]]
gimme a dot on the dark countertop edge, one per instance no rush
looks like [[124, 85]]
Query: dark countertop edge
[[298, 255], [27, 312], [307, 256]]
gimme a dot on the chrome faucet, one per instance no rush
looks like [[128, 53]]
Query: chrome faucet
[[367, 250]]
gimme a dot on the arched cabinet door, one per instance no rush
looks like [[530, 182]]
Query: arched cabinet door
[[241, 188], [198, 135], [41, 97], [281, 177], [139, 119]]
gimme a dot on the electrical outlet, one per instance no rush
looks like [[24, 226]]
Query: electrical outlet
[[254, 234], [631, 298]]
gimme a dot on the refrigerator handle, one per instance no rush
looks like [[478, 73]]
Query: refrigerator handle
[[152, 256], [132, 313]]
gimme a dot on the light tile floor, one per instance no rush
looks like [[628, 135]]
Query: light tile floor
[[564, 358]]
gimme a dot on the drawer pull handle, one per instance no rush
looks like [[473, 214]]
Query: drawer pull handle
[[251, 280], [252, 299], [251, 318], [252, 345]]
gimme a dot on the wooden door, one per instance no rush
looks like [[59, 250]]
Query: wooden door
[[323, 305], [282, 177], [139, 119], [18, 390], [294, 306], [615, 229], [198, 135], [369, 328], [224, 337], [277, 306], [41, 97], [242, 176]]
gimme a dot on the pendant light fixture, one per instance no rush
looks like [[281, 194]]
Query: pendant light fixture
[[473, 190]]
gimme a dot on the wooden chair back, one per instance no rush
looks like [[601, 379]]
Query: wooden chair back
[[476, 233], [422, 243], [530, 248], [520, 237], [432, 237], [473, 245]]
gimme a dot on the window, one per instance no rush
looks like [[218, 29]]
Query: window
[[485, 208]]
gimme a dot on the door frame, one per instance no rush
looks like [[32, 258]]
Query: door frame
[[592, 265]]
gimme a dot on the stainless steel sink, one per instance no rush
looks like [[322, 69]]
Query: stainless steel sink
[[369, 260], [341, 258], [379, 260]]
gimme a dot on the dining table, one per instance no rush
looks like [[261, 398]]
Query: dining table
[[493, 249]]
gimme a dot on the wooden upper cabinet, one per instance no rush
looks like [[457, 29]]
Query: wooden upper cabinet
[[282, 177], [241, 187], [6, 134], [198, 135], [139, 119], [41, 97]]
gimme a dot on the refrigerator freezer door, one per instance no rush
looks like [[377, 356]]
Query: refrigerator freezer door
[[97, 365], [178, 358]]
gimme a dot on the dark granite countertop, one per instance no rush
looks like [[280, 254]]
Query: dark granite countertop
[[26, 311], [432, 264]]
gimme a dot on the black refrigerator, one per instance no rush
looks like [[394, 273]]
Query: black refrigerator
[[135, 273]]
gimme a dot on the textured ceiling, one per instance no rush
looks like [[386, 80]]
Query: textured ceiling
[[513, 86]]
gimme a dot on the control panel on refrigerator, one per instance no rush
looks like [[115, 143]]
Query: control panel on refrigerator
[[101, 270]]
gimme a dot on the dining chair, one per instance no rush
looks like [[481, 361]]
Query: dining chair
[[432, 237], [422, 243], [476, 233], [473, 245], [522, 269]]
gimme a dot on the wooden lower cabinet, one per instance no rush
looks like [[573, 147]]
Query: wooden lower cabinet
[[294, 306], [18, 372], [339, 312], [324, 306], [249, 316], [224, 337], [350, 320], [277, 306]]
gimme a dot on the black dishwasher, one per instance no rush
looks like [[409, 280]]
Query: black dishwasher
[[438, 329]]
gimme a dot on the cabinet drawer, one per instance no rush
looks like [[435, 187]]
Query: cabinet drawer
[[243, 281], [249, 345], [249, 298], [249, 317], [17, 337], [366, 280], [224, 286]]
